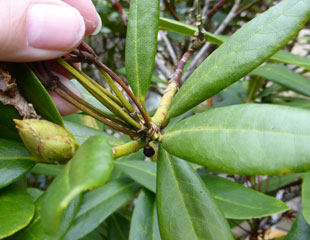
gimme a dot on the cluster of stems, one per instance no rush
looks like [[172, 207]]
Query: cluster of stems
[[132, 120]]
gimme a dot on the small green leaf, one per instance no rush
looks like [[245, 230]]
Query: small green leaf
[[34, 92], [305, 104], [11, 150], [100, 203], [16, 209], [306, 197], [47, 169], [34, 231], [140, 171], [242, 53], [81, 133], [300, 229], [239, 202], [141, 44], [35, 193], [292, 59], [90, 167], [250, 139], [118, 227], [12, 170], [285, 77], [186, 209], [143, 221], [7, 126]]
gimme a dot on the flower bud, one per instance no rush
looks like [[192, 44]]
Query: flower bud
[[47, 141]]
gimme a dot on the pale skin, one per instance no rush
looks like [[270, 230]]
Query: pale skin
[[36, 30]]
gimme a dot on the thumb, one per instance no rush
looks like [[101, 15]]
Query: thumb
[[33, 30]]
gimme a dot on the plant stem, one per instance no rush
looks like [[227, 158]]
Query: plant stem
[[127, 90], [91, 107], [92, 114], [127, 148], [216, 8], [171, 10], [115, 89], [161, 113], [104, 99]]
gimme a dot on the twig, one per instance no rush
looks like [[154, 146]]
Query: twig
[[247, 7], [118, 7], [89, 112], [169, 47], [215, 8], [205, 8], [127, 148], [171, 10], [204, 50], [165, 102]]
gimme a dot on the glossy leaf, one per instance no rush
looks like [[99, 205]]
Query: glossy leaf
[[90, 167], [290, 58], [7, 126], [250, 139], [306, 197], [47, 169], [98, 204], [285, 77], [118, 227], [141, 44], [239, 202], [143, 220], [35, 93], [300, 229], [34, 231], [81, 133], [16, 209], [189, 30], [12, 170], [140, 171], [186, 209], [242, 53]]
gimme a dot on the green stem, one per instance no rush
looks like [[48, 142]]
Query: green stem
[[128, 148], [115, 89], [254, 85], [104, 99]]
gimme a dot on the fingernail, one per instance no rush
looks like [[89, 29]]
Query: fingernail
[[54, 27], [99, 26]]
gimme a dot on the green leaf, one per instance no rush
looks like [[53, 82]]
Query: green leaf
[[12, 150], [47, 169], [34, 231], [35, 93], [239, 202], [306, 197], [98, 204], [140, 171], [118, 227], [35, 193], [81, 133], [285, 77], [186, 209], [292, 59], [141, 44], [12, 170], [305, 104], [242, 53], [7, 126], [143, 221], [300, 229], [90, 167], [16, 209], [250, 139], [189, 30]]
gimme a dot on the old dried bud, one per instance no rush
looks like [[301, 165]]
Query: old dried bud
[[49, 142]]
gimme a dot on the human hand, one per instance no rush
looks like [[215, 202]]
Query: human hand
[[35, 30]]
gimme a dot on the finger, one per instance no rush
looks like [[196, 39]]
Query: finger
[[89, 13], [32, 30]]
